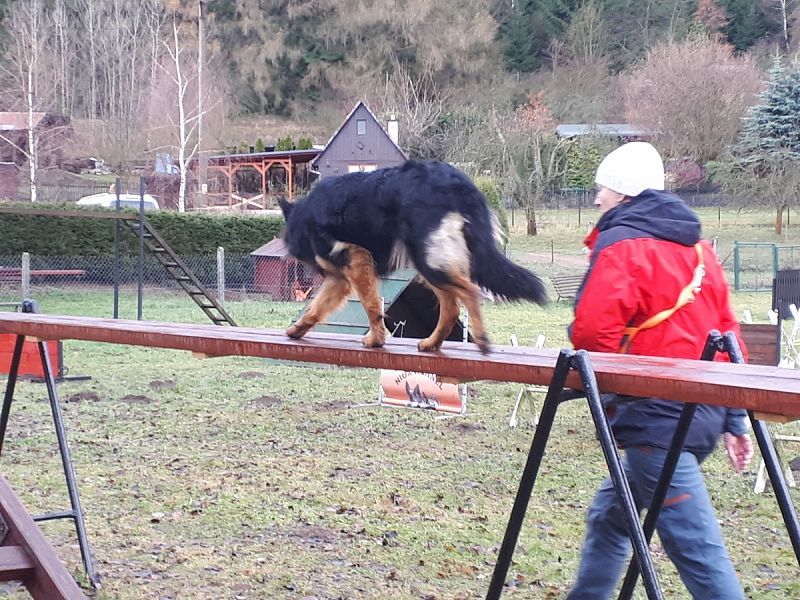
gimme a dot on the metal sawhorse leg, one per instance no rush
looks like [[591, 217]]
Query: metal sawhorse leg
[[75, 513], [730, 345], [640, 534], [556, 394]]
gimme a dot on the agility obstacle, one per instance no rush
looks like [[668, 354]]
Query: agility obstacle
[[765, 392]]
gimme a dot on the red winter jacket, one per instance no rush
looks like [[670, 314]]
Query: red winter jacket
[[642, 256]]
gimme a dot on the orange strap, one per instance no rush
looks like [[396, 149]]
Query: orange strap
[[686, 296]]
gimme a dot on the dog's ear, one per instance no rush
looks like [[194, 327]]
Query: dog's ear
[[286, 207]]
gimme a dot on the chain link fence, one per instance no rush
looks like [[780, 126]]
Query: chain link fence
[[85, 285], [755, 264]]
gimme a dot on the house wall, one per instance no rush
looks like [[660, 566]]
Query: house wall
[[53, 132], [276, 276], [371, 150]]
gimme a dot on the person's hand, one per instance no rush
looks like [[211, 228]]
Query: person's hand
[[739, 449]]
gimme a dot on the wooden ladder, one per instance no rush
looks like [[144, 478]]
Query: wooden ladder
[[181, 273]]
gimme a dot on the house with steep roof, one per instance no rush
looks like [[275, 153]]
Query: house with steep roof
[[360, 144], [52, 132]]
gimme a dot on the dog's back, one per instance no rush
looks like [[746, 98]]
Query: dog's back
[[428, 211]]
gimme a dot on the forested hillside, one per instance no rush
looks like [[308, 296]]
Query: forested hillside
[[286, 55], [481, 83]]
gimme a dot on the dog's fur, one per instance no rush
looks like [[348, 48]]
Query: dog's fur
[[357, 227]]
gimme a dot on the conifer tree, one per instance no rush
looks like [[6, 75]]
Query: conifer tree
[[771, 132], [764, 164]]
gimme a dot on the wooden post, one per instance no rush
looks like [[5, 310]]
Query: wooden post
[[26, 276], [221, 276]]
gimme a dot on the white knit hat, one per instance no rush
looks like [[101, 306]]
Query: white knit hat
[[631, 169]]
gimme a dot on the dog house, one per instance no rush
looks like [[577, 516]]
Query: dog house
[[411, 308], [280, 276]]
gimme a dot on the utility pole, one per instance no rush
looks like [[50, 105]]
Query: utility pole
[[201, 157]]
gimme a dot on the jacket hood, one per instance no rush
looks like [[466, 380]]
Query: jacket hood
[[655, 214]]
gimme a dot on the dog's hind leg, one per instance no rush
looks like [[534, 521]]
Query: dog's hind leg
[[448, 314], [331, 295], [360, 272], [470, 296]]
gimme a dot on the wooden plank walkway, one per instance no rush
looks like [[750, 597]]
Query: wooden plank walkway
[[761, 389]]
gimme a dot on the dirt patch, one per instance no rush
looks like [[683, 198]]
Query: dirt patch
[[463, 427], [250, 375], [350, 473], [265, 402], [136, 399], [311, 536], [333, 406], [161, 384], [81, 396]]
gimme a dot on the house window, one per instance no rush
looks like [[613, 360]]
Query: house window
[[361, 126], [361, 168]]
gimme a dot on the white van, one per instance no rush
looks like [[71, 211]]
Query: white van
[[108, 200]]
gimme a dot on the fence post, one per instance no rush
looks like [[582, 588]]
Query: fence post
[[221, 276], [26, 276], [140, 286], [774, 260], [117, 234], [736, 266]]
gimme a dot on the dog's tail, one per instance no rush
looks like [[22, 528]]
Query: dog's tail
[[496, 273]]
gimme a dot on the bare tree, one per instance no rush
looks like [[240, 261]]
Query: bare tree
[[586, 37], [417, 103], [180, 115], [693, 95], [28, 54], [784, 7], [533, 155], [712, 17], [111, 68]]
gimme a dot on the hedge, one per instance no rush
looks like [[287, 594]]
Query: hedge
[[187, 234]]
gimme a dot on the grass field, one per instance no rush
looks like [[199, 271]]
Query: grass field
[[242, 478]]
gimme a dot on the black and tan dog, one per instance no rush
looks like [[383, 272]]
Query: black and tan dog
[[357, 227]]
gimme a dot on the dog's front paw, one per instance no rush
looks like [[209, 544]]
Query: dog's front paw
[[295, 332], [483, 344], [372, 341], [429, 345]]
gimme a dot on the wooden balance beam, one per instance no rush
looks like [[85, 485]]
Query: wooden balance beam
[[769, 391]]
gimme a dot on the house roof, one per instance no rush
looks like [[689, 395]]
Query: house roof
[[298, 156], [274, 247], [18, 121], [347, 119], [568, 130]]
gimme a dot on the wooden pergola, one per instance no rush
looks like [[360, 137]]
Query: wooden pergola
[[261, 162]]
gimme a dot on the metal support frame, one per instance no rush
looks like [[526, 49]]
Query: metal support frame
[[556, 394], [639, 533], [727, 344], [75, 512]]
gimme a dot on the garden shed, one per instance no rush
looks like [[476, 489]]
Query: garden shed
[[280, 275]]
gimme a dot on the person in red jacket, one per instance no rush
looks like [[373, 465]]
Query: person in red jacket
[[655, 288]]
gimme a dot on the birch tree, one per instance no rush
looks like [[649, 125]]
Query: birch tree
[[180, 87], [785, 9], [30, 29]]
